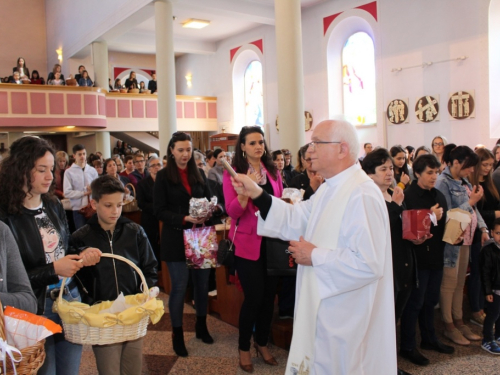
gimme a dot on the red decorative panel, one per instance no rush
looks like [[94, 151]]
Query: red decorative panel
[[179, 110], [232, 53], [151, 109], [102, 105], [188, 110], [4, 102], [258, 44], [47, 121], [19, 103], [212, 110], [201, 110], [110, 108], [327, 21], [90, 104], [74, 104], [137, 108], [38, 103], [56, 104], [370, 8], [124, 108]]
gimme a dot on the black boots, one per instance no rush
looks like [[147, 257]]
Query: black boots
[[178, 342], [202, 331]]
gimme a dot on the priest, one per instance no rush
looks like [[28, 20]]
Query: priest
[[340, 237]]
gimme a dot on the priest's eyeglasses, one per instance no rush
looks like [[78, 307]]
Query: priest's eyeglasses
[[313, 144]]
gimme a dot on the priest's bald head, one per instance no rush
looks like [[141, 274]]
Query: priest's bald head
[[334, 147]]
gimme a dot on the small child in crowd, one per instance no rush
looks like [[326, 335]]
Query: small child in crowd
[[112, 233], [490, 277]]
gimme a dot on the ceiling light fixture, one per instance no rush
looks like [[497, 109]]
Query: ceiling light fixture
[[193, 23]]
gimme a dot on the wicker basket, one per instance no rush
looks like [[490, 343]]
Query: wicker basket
[[33, 356], [78, 330], [133, 91], [131, 206]]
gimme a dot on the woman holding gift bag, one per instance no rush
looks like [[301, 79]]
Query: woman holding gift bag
[[251, 157], [174, 187], [459, 193], [422, 194]]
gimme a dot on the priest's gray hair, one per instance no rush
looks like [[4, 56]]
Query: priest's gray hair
[[344, 131]]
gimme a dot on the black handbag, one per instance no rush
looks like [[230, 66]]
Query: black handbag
[[279, 261], [225, 253]]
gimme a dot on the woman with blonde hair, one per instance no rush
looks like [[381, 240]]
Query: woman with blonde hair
[[437, 147]]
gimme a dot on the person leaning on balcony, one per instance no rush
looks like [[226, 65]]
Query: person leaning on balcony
[[52, 75], [131, 82]]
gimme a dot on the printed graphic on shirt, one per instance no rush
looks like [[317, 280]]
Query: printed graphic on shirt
[[51, 239]]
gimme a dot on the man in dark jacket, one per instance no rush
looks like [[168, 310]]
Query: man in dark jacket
[[106, 280]]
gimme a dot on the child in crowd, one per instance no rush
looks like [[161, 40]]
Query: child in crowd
[[490, 277], [112, 233]]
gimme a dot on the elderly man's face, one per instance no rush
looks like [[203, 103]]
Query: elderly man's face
[[329, 158]]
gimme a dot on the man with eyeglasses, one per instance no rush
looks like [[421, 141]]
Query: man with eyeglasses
[[140, 171], [344, 308]]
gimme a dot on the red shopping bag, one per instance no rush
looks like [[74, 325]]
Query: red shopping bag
[[416, 224]]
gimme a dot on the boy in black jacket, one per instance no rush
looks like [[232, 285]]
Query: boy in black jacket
[[490, 277], [114, 234]]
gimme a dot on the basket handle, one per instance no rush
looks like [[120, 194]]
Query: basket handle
[[133, 188], [3, 334], [123, 259]]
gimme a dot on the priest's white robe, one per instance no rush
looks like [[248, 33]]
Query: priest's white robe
[[355, 328]]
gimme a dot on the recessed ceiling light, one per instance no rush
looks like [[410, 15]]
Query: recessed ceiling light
[[195, 24]]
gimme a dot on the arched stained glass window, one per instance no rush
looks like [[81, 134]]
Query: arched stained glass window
[[358, 75], [254, 101]]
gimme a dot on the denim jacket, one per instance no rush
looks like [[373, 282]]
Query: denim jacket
[[456, 197]]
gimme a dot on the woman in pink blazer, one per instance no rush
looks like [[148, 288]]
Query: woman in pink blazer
[[252, 158]]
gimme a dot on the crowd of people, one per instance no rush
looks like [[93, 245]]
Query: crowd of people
[[358, 213], [21, 75]]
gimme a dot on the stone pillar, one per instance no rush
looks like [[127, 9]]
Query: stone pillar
[[290, 74], [165, 73], [100, 62], [103, 144]]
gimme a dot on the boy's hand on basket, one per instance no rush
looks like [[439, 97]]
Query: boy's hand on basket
[[68, 266], [90, 256]]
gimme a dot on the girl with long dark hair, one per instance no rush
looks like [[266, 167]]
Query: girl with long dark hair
[[401, 170], [252, 158], [38, 222]]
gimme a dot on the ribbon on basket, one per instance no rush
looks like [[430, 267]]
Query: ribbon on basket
[[9, 350]]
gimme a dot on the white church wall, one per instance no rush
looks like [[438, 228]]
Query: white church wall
[[410, 33]]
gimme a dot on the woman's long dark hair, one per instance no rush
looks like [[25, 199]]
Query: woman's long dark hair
[[394, 151], [194, 175], [241, 163], [16, 170], [463, 154]]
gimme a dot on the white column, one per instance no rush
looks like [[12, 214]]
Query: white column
[[290, 74], [165, 73], [103, 144], [100, 62]]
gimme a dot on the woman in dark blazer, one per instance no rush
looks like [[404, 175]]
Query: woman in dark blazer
[[175, 185], [149, 221]]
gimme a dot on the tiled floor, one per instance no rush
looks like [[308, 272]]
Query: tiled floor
[[221, 358]]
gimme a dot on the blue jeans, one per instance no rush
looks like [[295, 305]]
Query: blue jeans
[[476, 294], [179, 276], [79, 219], [62, 357], [492, 319], [420, 306]]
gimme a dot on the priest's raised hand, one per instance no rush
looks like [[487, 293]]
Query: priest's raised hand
[[244, 185]]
